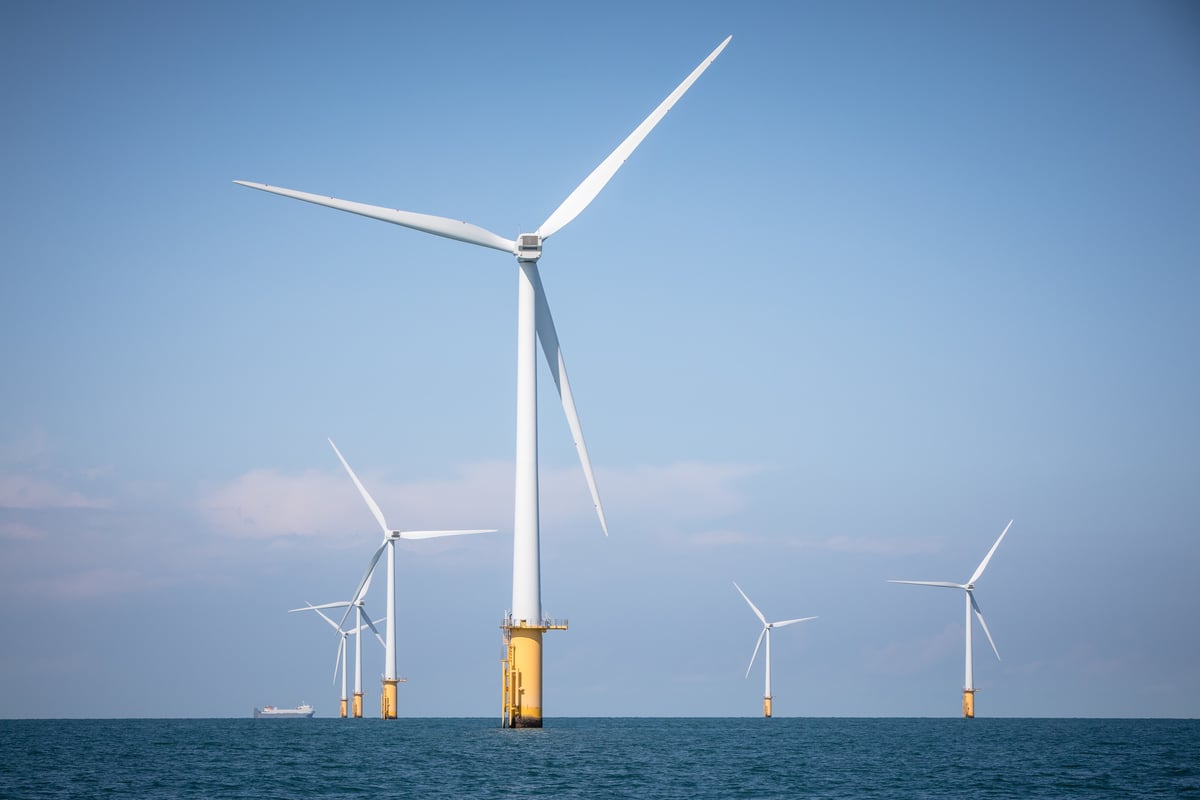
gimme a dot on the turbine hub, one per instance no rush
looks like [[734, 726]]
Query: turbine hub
[[529, 247]]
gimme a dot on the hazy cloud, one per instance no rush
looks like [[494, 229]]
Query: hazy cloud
[[26, 492], [20, 531], [873, 545], [267, 504]]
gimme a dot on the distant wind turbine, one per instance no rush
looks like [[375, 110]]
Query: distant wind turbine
[[968, 698], [361, 620], [390, 537], [766, 634], [524, 625], [341, 661]]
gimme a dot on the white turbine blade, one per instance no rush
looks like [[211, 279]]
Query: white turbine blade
[[363, 491], [381, 620], [365, 578], [427, 223], [366, 587], [790, 622], [325, 617], [757, 613], [756, 646], [944, 584], [337, 662], [436, 534], [311, 607], [369, 624], [983, 564], [982, 624], [586, 192], [558, 369]]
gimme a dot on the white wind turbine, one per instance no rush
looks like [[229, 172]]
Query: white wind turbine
[[341, 660], [390, 537], [766, 633], [361, 620], [968, 700], [525, 624]]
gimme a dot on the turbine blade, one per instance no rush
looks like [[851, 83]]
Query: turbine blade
[[586, 192], [790, 622], [365, 588], [381, 620], [982, 624], [558, 369], [757, 613], [365, 578], [325, 617], [363, 491], [944, 584], [311, 607], [436, 534], [756, 646], [371, 625], [337, 662], [427, 223], [983, 564]]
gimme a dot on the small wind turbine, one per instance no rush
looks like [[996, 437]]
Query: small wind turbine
[[524, 625], [390, 536], [766, 633], [341, 661], [361, 620], [968, 698]]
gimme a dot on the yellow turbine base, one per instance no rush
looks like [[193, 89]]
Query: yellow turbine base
[[968, 703], [524, 678], [767, 707], [343, 707], [387, 703], [358, 696]]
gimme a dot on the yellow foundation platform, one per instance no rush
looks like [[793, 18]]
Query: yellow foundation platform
[[342, 705], [387, 701], [767, 707], [968, 703], [521, 671], [358, 705]]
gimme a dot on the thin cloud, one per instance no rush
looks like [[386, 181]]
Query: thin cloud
[[26, 492], [878, 546], [268, 504], [93, 583], [21, 532]]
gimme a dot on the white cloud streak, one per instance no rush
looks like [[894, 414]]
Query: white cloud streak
[[25, 492]]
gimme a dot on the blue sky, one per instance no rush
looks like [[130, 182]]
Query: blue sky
[[888, 276]]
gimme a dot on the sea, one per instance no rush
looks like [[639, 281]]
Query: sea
[[606, 757]]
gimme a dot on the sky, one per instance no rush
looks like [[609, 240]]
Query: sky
[[888, 276]]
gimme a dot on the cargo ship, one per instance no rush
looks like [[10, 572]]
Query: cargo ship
[[271, 712]]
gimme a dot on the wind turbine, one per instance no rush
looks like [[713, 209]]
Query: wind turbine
[[361, 620], [766, 633], [968, 698], [390, 537], [524, 624], [341, 656]]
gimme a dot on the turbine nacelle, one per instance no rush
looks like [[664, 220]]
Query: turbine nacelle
[[529, 247]]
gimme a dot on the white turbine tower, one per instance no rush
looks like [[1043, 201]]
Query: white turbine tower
[[524, 625], [390, 536], [766, 633], [341, 660], [968, 698]]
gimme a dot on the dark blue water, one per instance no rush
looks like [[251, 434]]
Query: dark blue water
[[620, 758]]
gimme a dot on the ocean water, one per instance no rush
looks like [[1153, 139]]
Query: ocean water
[[600, 758]]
